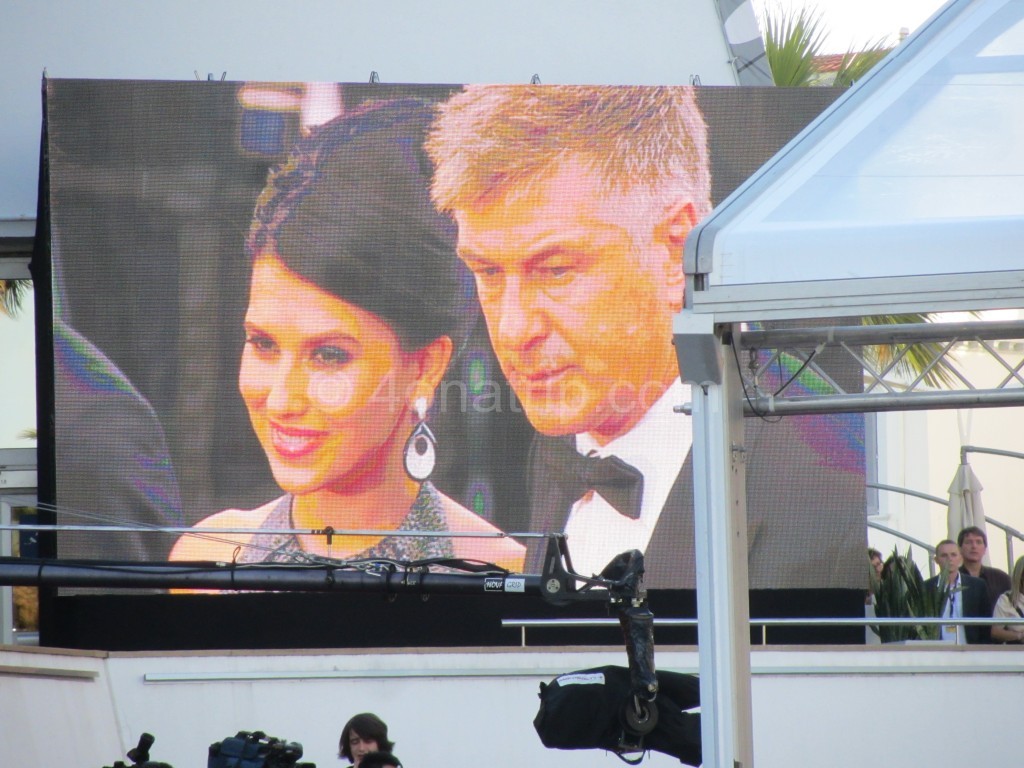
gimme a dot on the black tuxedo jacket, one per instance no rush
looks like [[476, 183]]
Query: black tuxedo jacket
[[805, 519], [974, 594]]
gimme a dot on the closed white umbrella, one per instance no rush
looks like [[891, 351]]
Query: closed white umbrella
[[965, 507]]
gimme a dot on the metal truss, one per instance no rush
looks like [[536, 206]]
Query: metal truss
[[762, 354]]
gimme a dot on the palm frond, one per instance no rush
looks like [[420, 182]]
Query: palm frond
[[12, 293], [856, 64], [792, 40], [912, 360]]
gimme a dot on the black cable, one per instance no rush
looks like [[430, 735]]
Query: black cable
[[764, 416], [798, 372]]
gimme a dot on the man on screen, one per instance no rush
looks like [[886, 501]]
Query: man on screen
[[573, 204]]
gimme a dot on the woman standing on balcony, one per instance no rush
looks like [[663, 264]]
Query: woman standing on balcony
[[1010, 605]]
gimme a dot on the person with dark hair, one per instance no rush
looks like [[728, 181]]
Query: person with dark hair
[[357, 305], [877, 567], [876, 560], [364, 734], [380, 760], [973, 543], [876, 573]]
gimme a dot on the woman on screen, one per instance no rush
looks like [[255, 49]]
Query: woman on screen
[[357, 304]]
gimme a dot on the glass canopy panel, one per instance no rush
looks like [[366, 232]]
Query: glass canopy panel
[[904, 182]]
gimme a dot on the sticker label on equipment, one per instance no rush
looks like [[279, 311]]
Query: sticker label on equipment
[[493, 584], [589, 678], [515, 584]]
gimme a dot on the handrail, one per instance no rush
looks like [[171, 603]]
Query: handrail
[[909, 492], [907, 537], [965, 449], [1009, 532], [846, 621], [810, 621]]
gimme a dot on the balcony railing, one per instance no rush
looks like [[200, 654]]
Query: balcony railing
[[524, 624]]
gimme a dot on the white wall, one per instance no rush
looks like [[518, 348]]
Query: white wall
[[52, 702], [845, 707]]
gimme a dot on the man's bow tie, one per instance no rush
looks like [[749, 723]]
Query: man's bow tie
[[619, 483]]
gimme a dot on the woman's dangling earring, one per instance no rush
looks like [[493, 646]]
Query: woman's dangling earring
[[421, 447]]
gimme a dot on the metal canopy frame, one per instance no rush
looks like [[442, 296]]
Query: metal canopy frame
[[764, 349], [726, 365], [851, 218]]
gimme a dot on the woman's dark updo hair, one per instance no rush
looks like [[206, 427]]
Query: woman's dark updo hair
[[370, 728], [350, 211]]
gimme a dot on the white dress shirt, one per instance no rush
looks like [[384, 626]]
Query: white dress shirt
[[954, 609], [657, 446]]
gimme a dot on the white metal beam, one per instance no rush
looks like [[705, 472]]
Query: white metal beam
[[720, 519]]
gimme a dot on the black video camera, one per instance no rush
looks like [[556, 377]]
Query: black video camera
[[140, 755], [254, 749]]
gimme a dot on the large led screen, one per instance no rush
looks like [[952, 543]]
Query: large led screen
[[409, 312]]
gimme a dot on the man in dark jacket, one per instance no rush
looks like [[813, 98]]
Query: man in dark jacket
[[573, 204], [968, 597], [973, 543]]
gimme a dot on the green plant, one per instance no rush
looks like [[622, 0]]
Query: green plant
[[925, 359], [792, 39], [902, 593], [856, 64], [12, 293]]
